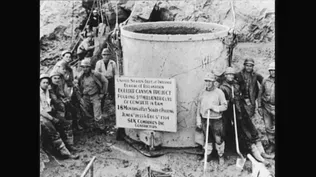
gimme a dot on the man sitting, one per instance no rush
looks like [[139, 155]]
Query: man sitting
[[50, 124]]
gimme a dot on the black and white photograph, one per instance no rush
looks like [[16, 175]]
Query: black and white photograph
[[157, 88]]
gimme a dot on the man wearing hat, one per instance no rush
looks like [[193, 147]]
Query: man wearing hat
[[266, 106], [60, 107], [63, 67], [108, 69], [86, 47], [93, 85], [94, 22], [212, 99], [49, 123], [226, 86], [244, 123], [249, 82], [67, 87]]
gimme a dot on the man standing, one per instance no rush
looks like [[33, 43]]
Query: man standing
[[249, 82], [108, 69], [86, 48], [93, 85], [245, 126], [94, 22], [266, 106], [48, 122], [212, 99]]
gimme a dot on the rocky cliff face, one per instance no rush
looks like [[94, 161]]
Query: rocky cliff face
[[254, 19], [58, 19]]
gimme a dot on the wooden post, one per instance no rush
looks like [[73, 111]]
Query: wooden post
[[91, 171]]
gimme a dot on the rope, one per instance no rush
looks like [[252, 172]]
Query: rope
[[233, 11], [72, 24], [100, 10], [84, 26]]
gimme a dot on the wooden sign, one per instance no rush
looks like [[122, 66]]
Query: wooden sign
[[146, 103]]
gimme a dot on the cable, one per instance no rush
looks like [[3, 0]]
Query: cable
[[85, 24], [233, 11]]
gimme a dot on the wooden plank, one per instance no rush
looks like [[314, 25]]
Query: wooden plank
[[88, 167]]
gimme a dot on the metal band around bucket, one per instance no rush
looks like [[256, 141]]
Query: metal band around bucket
[[219, 31]]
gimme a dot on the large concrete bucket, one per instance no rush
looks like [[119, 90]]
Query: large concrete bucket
[[185, 51]]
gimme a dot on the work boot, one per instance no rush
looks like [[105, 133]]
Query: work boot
[[100, 125], [72, 148], [255, 152], [220, 151], [209, 151], [201, 157], [262, 152], [64, 152], [271, 150], [77, 126]]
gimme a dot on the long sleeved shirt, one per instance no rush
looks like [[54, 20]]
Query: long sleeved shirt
[[45, 100], [89, 85], [267, 92], [249, 84], [108, 71], [45, 105], [214, 101], [227, 89], [98, 78], [67, 76]]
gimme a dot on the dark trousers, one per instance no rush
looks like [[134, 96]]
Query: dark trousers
[[247, 132], [216, 130], [111, 87], [56, 135]]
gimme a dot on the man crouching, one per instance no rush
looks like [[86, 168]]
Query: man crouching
[[212, 99]]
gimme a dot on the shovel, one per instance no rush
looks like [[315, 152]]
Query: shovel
[[206, 141], [240, 160], [258, 169]]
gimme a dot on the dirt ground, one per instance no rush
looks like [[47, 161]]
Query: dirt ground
[[118, 159]]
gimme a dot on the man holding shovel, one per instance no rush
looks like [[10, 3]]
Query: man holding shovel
[[245, 127], [249, 82], [211, 104]]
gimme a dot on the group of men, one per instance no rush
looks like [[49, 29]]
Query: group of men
[[240, 90], [65, 99], [69, 102]]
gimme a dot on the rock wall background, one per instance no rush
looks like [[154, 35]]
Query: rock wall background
[[254, 19]]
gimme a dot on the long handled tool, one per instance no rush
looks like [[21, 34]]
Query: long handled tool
[[240, 160], [206, 141]]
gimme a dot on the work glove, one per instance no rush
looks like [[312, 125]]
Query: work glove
[[101, 95]]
